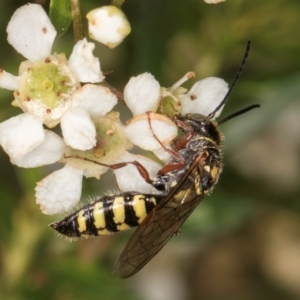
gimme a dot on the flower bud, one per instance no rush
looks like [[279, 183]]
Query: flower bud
[[108, 25]]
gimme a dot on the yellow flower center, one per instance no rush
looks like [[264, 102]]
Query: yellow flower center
[[45, 82]]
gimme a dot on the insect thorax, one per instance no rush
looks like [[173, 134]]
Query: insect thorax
[[206, 142]]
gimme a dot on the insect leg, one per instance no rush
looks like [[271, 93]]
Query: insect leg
[[181, 143], [141, 169], [179, 160], [170, 151]]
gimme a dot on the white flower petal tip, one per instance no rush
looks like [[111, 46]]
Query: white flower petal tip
[[8, 81], [78, 129], [21, 134], [129, 179], [60, 191], [142, 94], [49, 152], [139, 132], [204, 96], [97, 100], [83, 64], [214, 1], [108, 25], [30, 32]]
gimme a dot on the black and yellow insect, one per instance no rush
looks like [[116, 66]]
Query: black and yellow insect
[[191, 173]]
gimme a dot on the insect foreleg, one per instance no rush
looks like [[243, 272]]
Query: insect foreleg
[[189, 133]]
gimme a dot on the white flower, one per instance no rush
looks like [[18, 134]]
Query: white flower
[[111, 144], [48, 86], [108, 25], [141, 95], [60, 191]]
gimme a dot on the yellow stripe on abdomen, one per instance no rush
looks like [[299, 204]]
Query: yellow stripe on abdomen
[[99, 219], [139, 207], [118, 208], [81, 222]]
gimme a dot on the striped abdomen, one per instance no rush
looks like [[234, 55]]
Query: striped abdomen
[[107, 215]]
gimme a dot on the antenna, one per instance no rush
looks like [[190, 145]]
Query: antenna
[[235, 80], [240, 112]]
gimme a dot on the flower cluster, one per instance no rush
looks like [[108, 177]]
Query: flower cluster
[[52, 90]]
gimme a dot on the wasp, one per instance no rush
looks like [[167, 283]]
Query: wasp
[[190, 174]]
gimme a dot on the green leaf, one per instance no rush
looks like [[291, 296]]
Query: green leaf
[[60, 15]]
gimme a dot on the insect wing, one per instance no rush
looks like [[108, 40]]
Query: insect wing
[[150, 237], [161, 224]]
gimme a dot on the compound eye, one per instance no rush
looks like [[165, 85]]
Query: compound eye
[[160, 186]]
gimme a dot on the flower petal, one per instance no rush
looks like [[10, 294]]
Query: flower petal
[[83, 64], [50, 151], [60, 191], [129, 179], [209, 93], [162, 154], [21, 134], [78, 129], [108, 25], [8, 81], [30, 32], [97, 100], [142, 94], [139, 133]]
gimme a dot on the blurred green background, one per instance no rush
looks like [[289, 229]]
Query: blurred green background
[[242, 242]]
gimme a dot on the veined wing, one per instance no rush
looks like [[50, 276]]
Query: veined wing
[[160, 225]]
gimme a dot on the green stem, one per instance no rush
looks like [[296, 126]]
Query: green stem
[[77, 21]]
